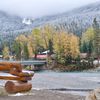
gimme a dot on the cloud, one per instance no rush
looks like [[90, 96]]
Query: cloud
[[38, 8]]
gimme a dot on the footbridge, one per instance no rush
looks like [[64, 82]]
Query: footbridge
[[33, 64]]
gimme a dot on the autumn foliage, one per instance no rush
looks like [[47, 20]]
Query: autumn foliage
[[64, 45]]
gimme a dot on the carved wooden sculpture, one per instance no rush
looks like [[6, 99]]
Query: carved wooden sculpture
[[22, 78]]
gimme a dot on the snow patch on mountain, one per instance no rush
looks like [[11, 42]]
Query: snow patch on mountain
[[27, 21]]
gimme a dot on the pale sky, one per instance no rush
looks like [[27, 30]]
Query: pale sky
[[39, 8]]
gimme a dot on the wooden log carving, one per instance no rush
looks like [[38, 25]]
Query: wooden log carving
[[21, 77]]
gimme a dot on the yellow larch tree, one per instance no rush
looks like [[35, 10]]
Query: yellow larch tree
[[66, 45], [74, 46]]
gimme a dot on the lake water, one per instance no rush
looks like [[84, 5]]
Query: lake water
[[75, 82], [65, 82]]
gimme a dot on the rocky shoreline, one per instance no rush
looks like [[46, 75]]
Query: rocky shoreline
[[39, 95]]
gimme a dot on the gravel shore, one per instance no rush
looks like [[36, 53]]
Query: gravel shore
[[42, 95]]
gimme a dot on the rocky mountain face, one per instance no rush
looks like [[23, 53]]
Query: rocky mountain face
[[11, 26], [76, 21], [9, 22]]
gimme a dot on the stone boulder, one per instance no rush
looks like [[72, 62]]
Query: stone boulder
[[94, 95]]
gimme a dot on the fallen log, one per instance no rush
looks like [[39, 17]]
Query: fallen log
[[15, 78], [7, 66], [15, 87]]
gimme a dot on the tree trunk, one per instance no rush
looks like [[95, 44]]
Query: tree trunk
[[35, 57]]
